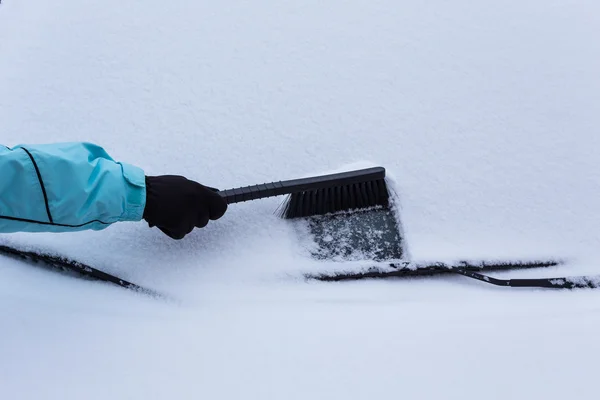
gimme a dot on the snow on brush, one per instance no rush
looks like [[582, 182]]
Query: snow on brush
[[485, 116]]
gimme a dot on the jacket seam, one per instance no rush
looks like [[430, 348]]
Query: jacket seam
[[39, 175]]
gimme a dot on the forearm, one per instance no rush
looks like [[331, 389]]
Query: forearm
[[67, 187]]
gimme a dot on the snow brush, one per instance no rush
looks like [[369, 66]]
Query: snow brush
[[320, 195]]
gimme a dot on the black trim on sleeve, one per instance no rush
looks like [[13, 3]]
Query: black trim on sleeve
[[52, 223], [37, 171]]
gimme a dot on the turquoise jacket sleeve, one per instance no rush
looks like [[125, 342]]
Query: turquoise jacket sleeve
[[65, 187]]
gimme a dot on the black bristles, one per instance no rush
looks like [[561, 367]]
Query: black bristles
[[335, 199], [364, 198], [346, 200]]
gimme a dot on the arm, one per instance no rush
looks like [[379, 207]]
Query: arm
[[67, 187]]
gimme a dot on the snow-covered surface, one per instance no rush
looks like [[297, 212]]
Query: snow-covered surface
[[486, 115]]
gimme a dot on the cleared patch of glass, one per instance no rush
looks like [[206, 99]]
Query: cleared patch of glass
[[351, 236]]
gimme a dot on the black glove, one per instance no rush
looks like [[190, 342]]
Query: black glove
[[176, 204]]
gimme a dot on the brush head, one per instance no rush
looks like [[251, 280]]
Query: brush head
[[367, 192]]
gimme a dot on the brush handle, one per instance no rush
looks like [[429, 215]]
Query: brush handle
[[261, 191]]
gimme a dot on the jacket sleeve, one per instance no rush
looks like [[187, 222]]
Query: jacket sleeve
[[65, 187]]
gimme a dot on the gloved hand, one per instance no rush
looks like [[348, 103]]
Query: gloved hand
[[176, 204]]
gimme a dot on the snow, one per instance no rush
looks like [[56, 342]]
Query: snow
[[485, 116]]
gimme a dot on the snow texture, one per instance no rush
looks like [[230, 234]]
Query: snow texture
[[485, 115]]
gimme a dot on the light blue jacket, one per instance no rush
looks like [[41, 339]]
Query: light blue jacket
[[67, 187]]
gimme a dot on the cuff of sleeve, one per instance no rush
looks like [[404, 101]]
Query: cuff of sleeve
[[136, 192]]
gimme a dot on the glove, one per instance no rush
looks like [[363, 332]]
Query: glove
[[176, 204]]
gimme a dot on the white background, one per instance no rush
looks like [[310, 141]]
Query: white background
[[486, 115]]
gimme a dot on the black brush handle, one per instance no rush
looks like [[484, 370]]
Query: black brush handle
[[261, 191]]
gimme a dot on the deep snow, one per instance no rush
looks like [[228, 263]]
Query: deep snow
[[485, 115]]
